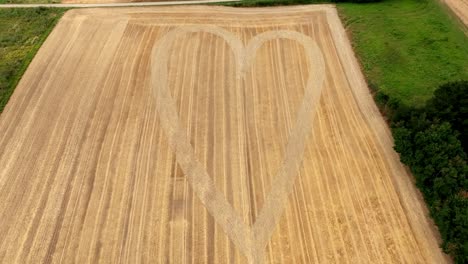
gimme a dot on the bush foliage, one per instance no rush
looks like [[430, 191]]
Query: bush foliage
[[407, 48], [428, 141]]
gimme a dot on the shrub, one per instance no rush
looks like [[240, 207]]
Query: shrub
[[428, 143]]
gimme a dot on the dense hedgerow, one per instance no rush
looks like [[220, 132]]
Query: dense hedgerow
[[428, 141], [406, 61]]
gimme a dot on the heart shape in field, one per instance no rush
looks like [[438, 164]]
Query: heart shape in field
[[251, 241]]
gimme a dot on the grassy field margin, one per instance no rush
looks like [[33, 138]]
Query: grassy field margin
[[22, 32], [407, 48]]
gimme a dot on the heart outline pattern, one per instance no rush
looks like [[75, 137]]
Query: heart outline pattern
[[251, 241]]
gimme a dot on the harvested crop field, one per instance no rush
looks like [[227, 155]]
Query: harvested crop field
[[203, 135], [460, 8], [111, 1]]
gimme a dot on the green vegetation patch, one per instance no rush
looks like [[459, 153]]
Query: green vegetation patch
[[30, 1], [432, 141], [22, 32], [407, 48]]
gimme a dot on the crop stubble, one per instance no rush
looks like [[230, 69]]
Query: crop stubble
[[88, 171]]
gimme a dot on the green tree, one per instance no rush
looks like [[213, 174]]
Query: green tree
[[450, 104]]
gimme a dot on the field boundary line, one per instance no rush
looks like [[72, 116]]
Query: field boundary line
[[168, 3]]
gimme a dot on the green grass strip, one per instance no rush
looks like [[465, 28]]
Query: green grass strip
[[407, 48]]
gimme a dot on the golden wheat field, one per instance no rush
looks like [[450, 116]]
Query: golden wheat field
[[203, 135]]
